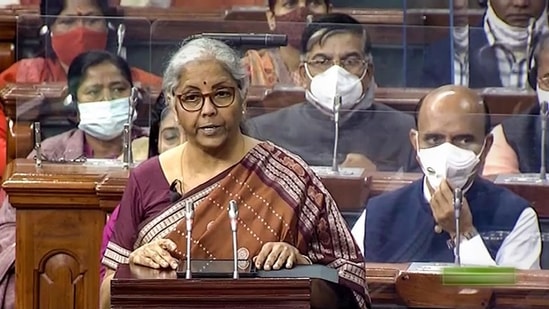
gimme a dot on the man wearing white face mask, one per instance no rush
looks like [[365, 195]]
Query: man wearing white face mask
[[517, 140], [336, 60], [499, 47], [416, 223], [99, 85]]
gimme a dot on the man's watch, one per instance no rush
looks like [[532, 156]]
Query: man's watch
[[467, 235]]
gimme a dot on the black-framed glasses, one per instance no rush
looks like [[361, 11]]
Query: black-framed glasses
[[193, 100], [352, 64]]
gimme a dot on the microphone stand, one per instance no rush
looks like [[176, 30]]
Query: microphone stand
[[336, 109], [530, 43], [543, 113], [121, 33], [458, 197], [127, 135], [37, 144], [189, 216], [233, 217]]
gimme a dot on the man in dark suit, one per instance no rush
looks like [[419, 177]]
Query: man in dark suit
[[496, 53]]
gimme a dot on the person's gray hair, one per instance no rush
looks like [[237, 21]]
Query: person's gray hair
[[322, 34], [203, 48]]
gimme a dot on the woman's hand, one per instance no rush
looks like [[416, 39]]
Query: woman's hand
[[156, 254], [275, 255]]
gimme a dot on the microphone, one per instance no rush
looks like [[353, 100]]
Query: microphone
[[120, 34], [233, 217], [174, 193], [544, 111], [247, 39], [37, 143], [189, 215], [127, 138], [336, 109], [458, 200]]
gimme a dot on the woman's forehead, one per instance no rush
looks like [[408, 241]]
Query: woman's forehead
[[103, 72], [205, 73]]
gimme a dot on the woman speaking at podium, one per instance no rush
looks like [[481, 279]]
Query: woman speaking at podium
[[286, 216]]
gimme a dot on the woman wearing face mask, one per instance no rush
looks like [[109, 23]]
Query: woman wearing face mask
[[100, 84], [279, 65], [517, 140], [69, 30], [66, 38]]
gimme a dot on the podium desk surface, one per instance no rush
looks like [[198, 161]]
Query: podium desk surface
[[136, 287]]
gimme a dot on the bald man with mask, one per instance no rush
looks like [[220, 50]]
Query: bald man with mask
[[416, 223]]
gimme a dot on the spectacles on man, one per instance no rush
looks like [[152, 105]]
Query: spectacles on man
[[544, 82], [193, 100], [353, 64]]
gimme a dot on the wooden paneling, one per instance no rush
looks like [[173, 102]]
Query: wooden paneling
[[58, 234]]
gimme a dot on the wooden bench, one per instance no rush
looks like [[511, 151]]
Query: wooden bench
[[24, 102]]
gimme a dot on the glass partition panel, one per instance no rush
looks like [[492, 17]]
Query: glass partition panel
[[396, 58], [83, 118]]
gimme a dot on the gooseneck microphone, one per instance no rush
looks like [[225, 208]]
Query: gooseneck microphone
[[458, 201], [336, 110], [246, 39], [189, 216], [233, 217], [543, 115]]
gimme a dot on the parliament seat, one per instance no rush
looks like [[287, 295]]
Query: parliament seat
[[501, 102], [27, 103]]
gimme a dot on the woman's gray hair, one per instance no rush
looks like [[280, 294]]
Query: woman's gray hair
[[200, 48]]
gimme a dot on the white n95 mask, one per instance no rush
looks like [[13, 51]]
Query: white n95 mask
[[447, 161], [104, 120], [336, 81]]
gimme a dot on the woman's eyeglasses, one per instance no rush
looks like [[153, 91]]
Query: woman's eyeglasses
[[193, 101]]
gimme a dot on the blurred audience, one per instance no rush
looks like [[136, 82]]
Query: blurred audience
[[517, 140], [278, 65], [100, 85], [499, 48]]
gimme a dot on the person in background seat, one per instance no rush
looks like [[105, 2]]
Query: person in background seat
[[271, 66], [498, 48], [416, 223], [71, 28], [70, 31], [517, 140], [337, 58], [99, 84]]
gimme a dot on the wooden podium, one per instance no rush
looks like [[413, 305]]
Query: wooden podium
[[141, 287], [59, 225]]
